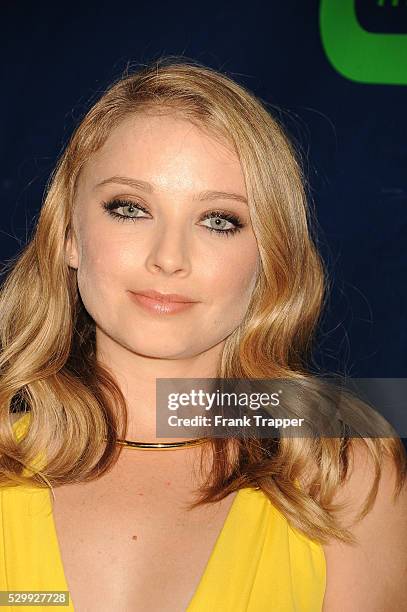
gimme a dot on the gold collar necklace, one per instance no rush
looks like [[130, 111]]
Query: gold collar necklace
[[160, 445]]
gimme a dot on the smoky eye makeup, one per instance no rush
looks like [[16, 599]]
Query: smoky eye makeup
[[136, 212]]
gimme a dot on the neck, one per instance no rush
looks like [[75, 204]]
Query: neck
[[136, 376]]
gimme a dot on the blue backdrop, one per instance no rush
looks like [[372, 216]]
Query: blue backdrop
[[337, 69]]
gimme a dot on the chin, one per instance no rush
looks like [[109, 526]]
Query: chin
[[160, 350]]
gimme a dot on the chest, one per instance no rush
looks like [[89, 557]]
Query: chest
[[139, 550]]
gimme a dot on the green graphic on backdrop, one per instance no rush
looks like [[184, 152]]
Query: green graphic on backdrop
[[359, 55]]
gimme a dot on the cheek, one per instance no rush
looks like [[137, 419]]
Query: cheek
[[234, 284], [237, 275], [240, 291], [100, 280], [101, 265]]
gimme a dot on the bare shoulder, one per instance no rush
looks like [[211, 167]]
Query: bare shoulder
[[369, 575]]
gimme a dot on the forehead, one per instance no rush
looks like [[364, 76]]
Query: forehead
[[168, 151]]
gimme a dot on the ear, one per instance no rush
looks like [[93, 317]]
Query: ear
[[71, 251]]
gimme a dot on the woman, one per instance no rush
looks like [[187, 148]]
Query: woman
[[170, 162]]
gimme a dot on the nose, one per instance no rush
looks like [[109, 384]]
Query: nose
[[169, 252]]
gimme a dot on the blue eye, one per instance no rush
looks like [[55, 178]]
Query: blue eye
[[111, 206], [218, 215], [134, 208]]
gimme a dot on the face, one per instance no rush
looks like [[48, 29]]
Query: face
[[152, 213]]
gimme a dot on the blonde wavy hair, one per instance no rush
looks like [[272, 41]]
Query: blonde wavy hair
[[47, 354]]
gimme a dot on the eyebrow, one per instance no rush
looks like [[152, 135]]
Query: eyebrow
[[145, 186]]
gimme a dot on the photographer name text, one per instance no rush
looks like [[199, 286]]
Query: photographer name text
[[221, 421]]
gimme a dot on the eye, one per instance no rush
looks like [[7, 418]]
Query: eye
[[218, 219], [134, 209]]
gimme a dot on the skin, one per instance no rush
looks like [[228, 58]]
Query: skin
[[170, 250]]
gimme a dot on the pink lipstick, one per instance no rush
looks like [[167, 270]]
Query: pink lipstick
[[161, 303]]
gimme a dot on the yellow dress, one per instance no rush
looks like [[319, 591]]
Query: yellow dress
[[259, 562]]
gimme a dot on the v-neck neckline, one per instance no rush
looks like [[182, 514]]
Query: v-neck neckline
[[215, 550]]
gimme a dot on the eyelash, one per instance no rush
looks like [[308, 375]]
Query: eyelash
[[110, 206]]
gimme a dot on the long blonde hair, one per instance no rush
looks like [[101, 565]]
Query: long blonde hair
[[47, 353]]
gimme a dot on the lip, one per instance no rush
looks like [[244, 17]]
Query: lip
[[164, 297], [161, 305]]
